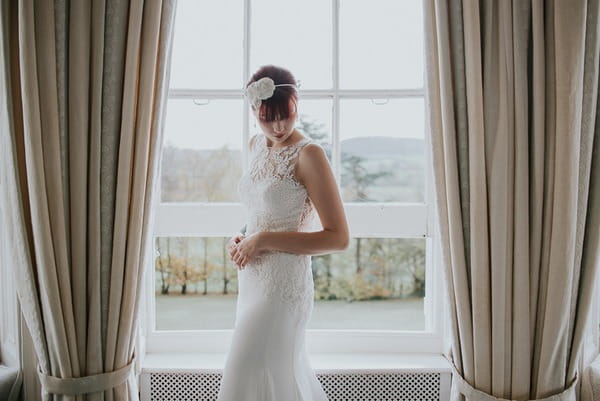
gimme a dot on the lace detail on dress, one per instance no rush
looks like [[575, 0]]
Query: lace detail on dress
[[286, 276], [276, 201], [276, 163]]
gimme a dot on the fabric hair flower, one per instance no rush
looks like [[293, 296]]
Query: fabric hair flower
[[261, 89]]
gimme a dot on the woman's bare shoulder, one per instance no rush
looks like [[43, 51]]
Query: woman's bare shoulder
[[312, 156], [312, 150]]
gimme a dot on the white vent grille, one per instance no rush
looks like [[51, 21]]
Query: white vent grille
[[381, 386], [338, 386]]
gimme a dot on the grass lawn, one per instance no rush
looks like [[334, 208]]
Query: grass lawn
[[200, 312]]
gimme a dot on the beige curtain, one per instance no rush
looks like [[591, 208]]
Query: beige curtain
[[512, 107], [86, 84]]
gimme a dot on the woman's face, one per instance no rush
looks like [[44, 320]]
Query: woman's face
[[278, 130]]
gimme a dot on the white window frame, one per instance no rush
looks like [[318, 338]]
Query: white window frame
[[225, 219]]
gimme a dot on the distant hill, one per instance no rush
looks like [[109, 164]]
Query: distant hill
[[382, 146], [369, 147]]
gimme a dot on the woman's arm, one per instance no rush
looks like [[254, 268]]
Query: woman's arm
[[313, 170]]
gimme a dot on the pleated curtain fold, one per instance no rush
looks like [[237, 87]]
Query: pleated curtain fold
[[512, 89], [86, 85]]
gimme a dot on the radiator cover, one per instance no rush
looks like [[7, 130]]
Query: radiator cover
[[359, 386]]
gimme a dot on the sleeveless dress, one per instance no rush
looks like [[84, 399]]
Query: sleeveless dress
[[267, 358]]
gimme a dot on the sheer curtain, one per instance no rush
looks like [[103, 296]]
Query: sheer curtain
[[512, 90], [86, 85]]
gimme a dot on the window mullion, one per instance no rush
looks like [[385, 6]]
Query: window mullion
[[335, 142], [246, 74]]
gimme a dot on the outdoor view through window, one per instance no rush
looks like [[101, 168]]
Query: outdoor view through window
[[361, 98]]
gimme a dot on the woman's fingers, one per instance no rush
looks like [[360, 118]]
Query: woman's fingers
[[238, 257], [233, 249], [234, 253], [241, 261], [231, 245]]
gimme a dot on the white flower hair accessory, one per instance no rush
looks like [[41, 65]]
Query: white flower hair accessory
[[262, 89]]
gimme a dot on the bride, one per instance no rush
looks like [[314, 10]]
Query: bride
[[289, 182]]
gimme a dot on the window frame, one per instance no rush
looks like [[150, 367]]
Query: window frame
[[223, 219]]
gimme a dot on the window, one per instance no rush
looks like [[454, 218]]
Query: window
[[361, 68]]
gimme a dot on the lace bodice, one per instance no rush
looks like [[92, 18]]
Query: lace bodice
[[275, 201]]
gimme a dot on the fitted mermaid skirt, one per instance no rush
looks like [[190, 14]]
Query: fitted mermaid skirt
[[267, 359]]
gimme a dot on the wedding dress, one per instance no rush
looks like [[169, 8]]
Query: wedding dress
[[267, 359]]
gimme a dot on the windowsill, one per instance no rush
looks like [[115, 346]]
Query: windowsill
[[321, 362]]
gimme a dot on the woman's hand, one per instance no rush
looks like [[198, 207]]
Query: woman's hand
[[232, 243], [247, 249]]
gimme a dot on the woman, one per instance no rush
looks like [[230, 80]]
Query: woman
[[289, 180]]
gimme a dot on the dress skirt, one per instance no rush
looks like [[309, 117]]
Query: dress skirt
[[267, 358]]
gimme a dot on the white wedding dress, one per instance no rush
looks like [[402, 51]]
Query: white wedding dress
[[267, 359]]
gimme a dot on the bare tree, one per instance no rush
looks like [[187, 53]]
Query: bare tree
[[205, 266], [163, 269], [225, 278]]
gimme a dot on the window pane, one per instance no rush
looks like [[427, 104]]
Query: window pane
[[195, 283], [202, 159], [383, 153], [315, 121], [279, 36], [207, 48], [377, 283], [381, 44]]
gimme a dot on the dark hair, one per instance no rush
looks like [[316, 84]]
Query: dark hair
[[277, 105]]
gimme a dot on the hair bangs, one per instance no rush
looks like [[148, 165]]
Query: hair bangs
[[278, 107]]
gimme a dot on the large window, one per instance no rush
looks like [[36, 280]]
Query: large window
[[361, 69]]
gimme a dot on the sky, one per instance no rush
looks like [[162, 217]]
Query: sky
[[380, 47]]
